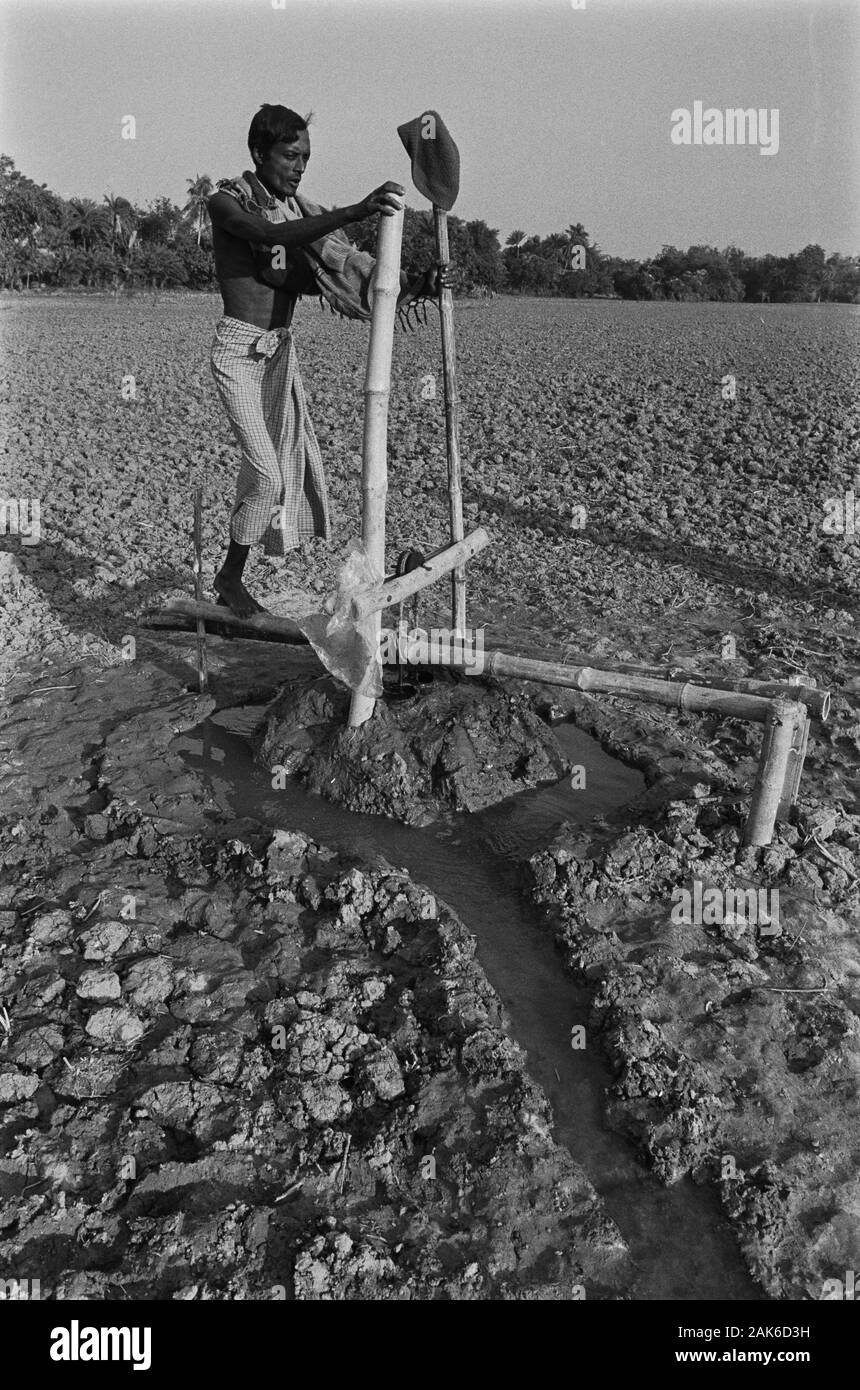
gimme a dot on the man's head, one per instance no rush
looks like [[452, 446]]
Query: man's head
[[280, 148]]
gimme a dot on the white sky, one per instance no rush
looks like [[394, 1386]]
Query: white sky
[[561, 115]]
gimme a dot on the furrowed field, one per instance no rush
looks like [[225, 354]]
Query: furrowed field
[[702, 515]]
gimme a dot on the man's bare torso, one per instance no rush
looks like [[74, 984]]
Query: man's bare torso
[[245, 295]]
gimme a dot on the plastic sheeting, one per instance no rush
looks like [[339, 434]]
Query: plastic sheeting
[[347, 650]]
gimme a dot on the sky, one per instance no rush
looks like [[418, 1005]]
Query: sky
[[561, 109]]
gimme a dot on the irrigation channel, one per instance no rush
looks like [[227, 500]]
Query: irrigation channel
[[681, 1245]]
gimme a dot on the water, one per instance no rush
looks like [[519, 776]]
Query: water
[[682, 1247]]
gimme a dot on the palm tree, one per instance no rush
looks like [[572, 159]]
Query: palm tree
[[199, 191], [577, 234], [556, 248], [88, 223], [516, 239], [123, 219]]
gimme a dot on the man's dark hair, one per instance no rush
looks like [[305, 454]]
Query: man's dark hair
[[274, 123]]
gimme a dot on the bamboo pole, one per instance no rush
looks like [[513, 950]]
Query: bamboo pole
[[452, 419], [782, 726], [816, 701], [184, 615], [377, 386], [796, 760], [693, 698], [202, 667], [683, 696], [687, 695], [404, 586]]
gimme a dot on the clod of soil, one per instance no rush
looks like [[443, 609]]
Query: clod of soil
[[455, 746]]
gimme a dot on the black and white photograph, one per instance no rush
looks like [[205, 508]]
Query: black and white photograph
[[429, 673]]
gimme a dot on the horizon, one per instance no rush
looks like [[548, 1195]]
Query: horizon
[[612, 79]]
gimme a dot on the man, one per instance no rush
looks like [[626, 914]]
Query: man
[[270, 247]]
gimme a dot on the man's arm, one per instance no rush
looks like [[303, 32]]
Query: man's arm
[[226, 214]]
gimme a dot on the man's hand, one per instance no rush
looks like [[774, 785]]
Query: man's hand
[[428, 285], [385, 199]]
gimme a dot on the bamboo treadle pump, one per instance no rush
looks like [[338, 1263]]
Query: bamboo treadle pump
[[784, 710]]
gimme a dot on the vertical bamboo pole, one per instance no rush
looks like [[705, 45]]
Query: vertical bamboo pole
[[202, 667], [797, 757], [377, 385], [452, 421], [782, 724]]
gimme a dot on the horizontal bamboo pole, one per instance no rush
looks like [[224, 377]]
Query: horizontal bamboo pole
[[679, 695], [693, 698], [183, 614], [396, 590], [816, 701]]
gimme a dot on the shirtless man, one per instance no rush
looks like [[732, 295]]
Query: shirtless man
[[270, 248]]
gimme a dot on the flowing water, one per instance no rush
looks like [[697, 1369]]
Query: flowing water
[[682, 1246]]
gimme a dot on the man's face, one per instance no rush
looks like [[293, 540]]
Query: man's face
[[285, 163]]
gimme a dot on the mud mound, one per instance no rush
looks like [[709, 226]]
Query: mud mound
[[452, 747]]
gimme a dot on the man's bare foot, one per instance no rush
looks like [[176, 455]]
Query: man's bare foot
[[233, 595]]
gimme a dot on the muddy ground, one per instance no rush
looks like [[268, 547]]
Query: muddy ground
[[735, 1044], [157, 1139], [237, 1065]]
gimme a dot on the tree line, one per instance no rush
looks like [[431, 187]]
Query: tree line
[[76, 243], [52, 242]]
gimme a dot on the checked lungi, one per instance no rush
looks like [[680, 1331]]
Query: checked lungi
[[281, 495]]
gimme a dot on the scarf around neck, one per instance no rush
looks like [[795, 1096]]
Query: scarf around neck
[[340, 271]]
